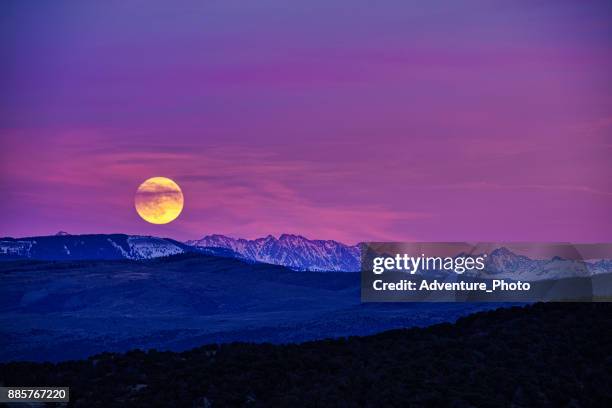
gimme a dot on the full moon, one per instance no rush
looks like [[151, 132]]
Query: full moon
[[159, 200]]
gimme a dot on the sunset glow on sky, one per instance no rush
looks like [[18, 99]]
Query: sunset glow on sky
[[348, 120]]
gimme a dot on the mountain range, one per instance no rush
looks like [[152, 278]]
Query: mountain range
[[69, 296], [503, 263], [63, 247], [293, 251]]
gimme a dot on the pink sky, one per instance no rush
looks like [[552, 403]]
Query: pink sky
[[347, 120]]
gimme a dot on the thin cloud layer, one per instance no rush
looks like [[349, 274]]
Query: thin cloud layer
[[437, 122]]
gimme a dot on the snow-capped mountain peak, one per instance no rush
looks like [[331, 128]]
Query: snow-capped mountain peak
[[294, 251]]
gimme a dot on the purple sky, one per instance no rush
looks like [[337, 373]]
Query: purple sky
[[350, 120]]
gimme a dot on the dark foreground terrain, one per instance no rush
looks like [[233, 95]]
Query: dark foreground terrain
[[545, 355], [67, 310]]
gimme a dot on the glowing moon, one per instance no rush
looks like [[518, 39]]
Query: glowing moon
[[159, 200]]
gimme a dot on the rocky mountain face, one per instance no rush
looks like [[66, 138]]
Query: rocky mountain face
[[293, 251], [503, 263]]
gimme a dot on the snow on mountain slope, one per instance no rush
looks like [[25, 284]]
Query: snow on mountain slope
[[151, 247], [503, 263], [15, 248], [294, 251], [98, 246]]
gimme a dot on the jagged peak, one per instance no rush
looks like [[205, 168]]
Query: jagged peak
[[292, 237], [503, 251], [293, 250], [216, 236], [284, 238]]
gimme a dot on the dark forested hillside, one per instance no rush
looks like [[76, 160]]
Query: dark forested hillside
[[66, 310], [549, 355]]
